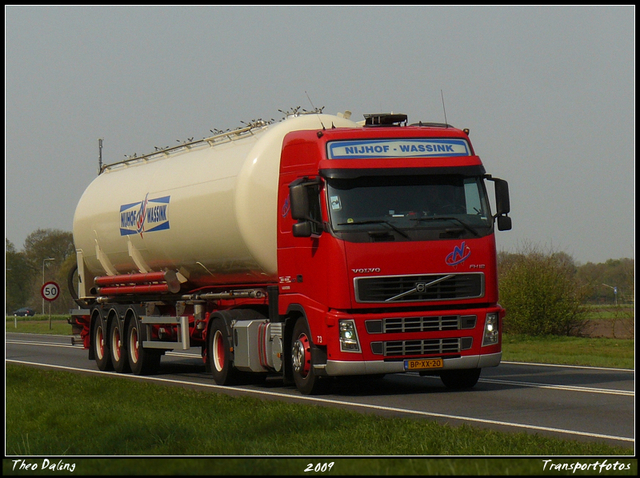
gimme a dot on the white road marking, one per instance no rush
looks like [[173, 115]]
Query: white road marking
[[569, 388]]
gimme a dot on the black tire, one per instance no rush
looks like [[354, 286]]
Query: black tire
[[142, 361], [219, 354], [304, 375], [100, 343], [119, 357], [460, 379]]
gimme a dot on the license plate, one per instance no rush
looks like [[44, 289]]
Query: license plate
[[423, 364]]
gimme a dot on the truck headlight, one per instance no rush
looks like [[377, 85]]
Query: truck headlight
[[348, 336], [491, 332]]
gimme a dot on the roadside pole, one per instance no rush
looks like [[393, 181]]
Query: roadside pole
[[50, 292]]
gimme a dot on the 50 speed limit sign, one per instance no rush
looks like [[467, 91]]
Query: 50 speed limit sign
[[50, 291]]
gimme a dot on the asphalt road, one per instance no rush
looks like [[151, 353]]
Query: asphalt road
[[579, 403]]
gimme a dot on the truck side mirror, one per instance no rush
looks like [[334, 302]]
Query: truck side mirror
[[502, 204], [302, 229], [502, 196], [299, 203], [504, 223], [305, 207]]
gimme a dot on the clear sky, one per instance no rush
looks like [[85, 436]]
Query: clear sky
[[547, 92]]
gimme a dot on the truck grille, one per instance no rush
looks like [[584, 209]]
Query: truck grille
[[420, 324], [418, 288], [402, 348]]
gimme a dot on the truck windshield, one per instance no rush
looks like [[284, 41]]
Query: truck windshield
[[408, 207]]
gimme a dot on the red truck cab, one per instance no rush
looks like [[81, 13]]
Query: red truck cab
[[386, 246]]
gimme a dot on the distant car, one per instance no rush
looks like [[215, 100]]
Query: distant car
[[25, 312]]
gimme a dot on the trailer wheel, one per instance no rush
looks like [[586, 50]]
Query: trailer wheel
[[304, 376], [220, 354], [117, 348], [460, 379], [101, 345], [142, 361]]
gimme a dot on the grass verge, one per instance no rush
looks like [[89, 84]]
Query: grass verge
[[47, 413], [593, 352], [178, 422], [612, 312], [39, 324]]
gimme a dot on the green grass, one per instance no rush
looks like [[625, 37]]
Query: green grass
[[594, 352], [39, 324], [85, 417], [609, 311], [51, 413]]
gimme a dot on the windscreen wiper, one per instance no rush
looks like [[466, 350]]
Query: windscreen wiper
[[448, 218], [376, 221]]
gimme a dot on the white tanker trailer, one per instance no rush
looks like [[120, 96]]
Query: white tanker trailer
[[214, 200], [309, 248]]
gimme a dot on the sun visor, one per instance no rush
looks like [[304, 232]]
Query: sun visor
[[348, 173]]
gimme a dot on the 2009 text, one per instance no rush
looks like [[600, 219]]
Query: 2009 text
[[319, 467]]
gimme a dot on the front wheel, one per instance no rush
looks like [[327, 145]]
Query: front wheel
[[304, 375], [460, 379]]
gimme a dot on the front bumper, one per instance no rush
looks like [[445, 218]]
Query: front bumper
[[337, 367]]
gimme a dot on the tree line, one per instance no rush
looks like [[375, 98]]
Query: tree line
[[596, 281], [545, 292], [539, 282], [47, 255]]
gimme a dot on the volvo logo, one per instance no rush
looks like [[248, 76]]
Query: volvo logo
[[419, 287], [366, 270]]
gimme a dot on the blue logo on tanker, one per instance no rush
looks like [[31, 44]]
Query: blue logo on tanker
[[144, 216]]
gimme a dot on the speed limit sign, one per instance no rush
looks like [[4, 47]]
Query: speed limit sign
[[50, 291]]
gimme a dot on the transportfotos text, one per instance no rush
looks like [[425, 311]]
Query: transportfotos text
[[576, 466]]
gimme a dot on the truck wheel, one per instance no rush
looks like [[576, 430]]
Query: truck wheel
[[117, 348], [142, 361], [460, 379], [101, 345], [220, 354], [302, 361]]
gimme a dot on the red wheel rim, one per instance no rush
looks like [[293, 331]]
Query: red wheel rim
[[302, 354], [116, 344], [100, 342], [218, 351], [134, 344]]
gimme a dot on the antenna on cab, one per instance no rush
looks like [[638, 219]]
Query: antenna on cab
[[314, 109], [444, 109]]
